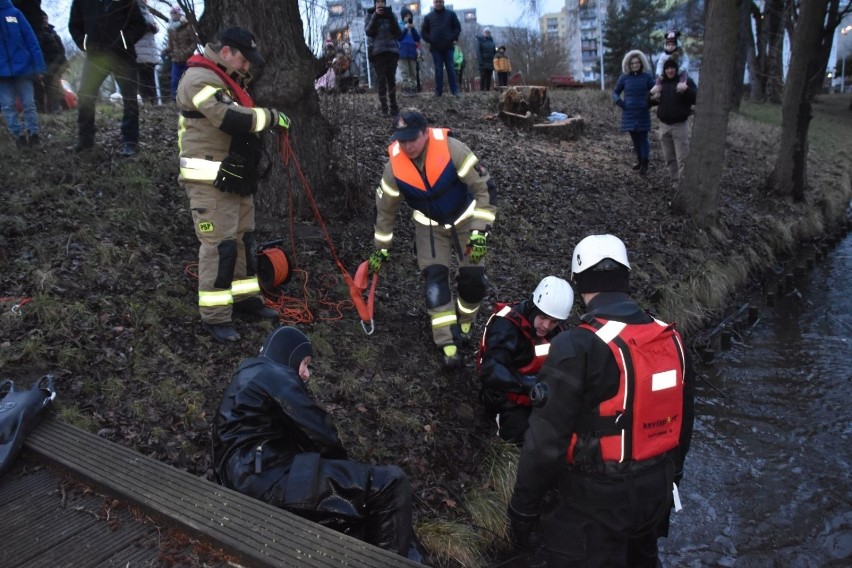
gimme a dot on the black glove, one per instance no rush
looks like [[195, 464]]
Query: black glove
[[523, 528]]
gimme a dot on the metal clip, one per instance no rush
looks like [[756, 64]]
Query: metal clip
[[372, 327]]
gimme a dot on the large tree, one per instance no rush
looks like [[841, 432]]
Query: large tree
[[535, 55], [699, 187], [765, 49], [816, 22], [285, 83]]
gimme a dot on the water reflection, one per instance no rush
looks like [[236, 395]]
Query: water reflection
[[768, 479]]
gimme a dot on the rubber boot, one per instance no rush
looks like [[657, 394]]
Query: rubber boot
[[383, 101], [388, 510], [643, 166]]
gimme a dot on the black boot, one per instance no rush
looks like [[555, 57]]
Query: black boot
[[222, 332], [388, 510], [255, 308], [643, 166], [637, 165]]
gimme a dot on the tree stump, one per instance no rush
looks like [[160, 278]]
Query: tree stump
[[517, 120], [523, 99], [568, 129]]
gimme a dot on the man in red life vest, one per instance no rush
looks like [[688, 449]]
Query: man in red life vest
[[453, 200], [514, 345], [611, 425], [220, 151]]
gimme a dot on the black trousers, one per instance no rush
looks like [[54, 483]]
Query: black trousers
[[147, 83], [385, 66], [485, 76], [608, 521]]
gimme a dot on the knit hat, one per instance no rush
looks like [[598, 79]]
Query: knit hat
[[670, 62], [501, 48], [287, 346], [486, 31], [177, 10]]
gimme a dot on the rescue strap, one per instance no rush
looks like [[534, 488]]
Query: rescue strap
[[365, 309]]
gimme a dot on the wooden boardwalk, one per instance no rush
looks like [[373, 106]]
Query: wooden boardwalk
[[49, 529]]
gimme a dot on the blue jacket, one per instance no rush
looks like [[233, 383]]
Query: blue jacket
[[440, 29], [20, 54], [635, 88], [408, 38]]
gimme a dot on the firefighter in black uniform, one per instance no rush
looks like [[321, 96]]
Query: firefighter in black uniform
[[513, 348], [271, 441], [611, 425]]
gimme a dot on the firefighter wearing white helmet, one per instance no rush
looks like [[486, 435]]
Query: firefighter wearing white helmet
[[513, 348], [611, 425]]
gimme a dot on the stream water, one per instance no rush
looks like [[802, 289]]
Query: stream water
[[767, 480]]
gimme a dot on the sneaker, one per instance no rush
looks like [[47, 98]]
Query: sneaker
[[128, 149], [21, 142], [256, 309], [222, 332], [452, 359], [34, 140]]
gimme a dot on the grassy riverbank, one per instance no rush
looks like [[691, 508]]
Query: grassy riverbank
[[100, 252]]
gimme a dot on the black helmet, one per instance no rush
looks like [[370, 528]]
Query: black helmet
[[287, 346]]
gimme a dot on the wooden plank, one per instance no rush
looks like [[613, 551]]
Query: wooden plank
[[258, 533]]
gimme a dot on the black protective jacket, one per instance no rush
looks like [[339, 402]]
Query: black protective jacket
[[113, 26], [579, 374], [267, 405], [507, 349]]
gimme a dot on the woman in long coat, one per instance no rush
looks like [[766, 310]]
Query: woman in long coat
[[631, 93]]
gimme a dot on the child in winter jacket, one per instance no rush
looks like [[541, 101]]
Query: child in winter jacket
[[20, 61], [409, 42], [672, 50], [502, 66]]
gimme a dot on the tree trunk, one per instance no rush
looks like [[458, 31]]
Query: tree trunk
[[744, 37], [698, 189], [284, 83], [790, 173], [774, 65]]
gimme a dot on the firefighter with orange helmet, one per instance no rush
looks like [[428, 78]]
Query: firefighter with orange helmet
[[610, 428]]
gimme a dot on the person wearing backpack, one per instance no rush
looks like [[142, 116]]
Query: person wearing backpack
[[611, 425], [513, 348]]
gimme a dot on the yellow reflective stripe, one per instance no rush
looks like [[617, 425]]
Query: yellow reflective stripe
[[483, 215], [260, 116], [466, 309], [468, 163], [247, 286], [215, 298], [424, 220], [384, 186], [181, 130], [383, 237], [204, 94], [198, 169], [443, 319], [542, 349]]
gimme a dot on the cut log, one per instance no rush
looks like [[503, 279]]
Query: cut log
[[523, 99], [568, 129], [517, 120]]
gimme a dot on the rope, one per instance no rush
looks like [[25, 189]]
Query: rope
[[365, 309], [19, 303]]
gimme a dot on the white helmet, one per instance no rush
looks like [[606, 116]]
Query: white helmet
[[554, 297], [596, 248]]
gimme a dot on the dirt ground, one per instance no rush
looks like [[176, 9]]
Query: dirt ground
[[99, 254]]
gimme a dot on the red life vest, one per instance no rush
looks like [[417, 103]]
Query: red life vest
[[644, 418], [541, 346], [240, 94]]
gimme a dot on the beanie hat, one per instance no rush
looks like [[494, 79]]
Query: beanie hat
[[615, 280], [287, 346], [670, 62]]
